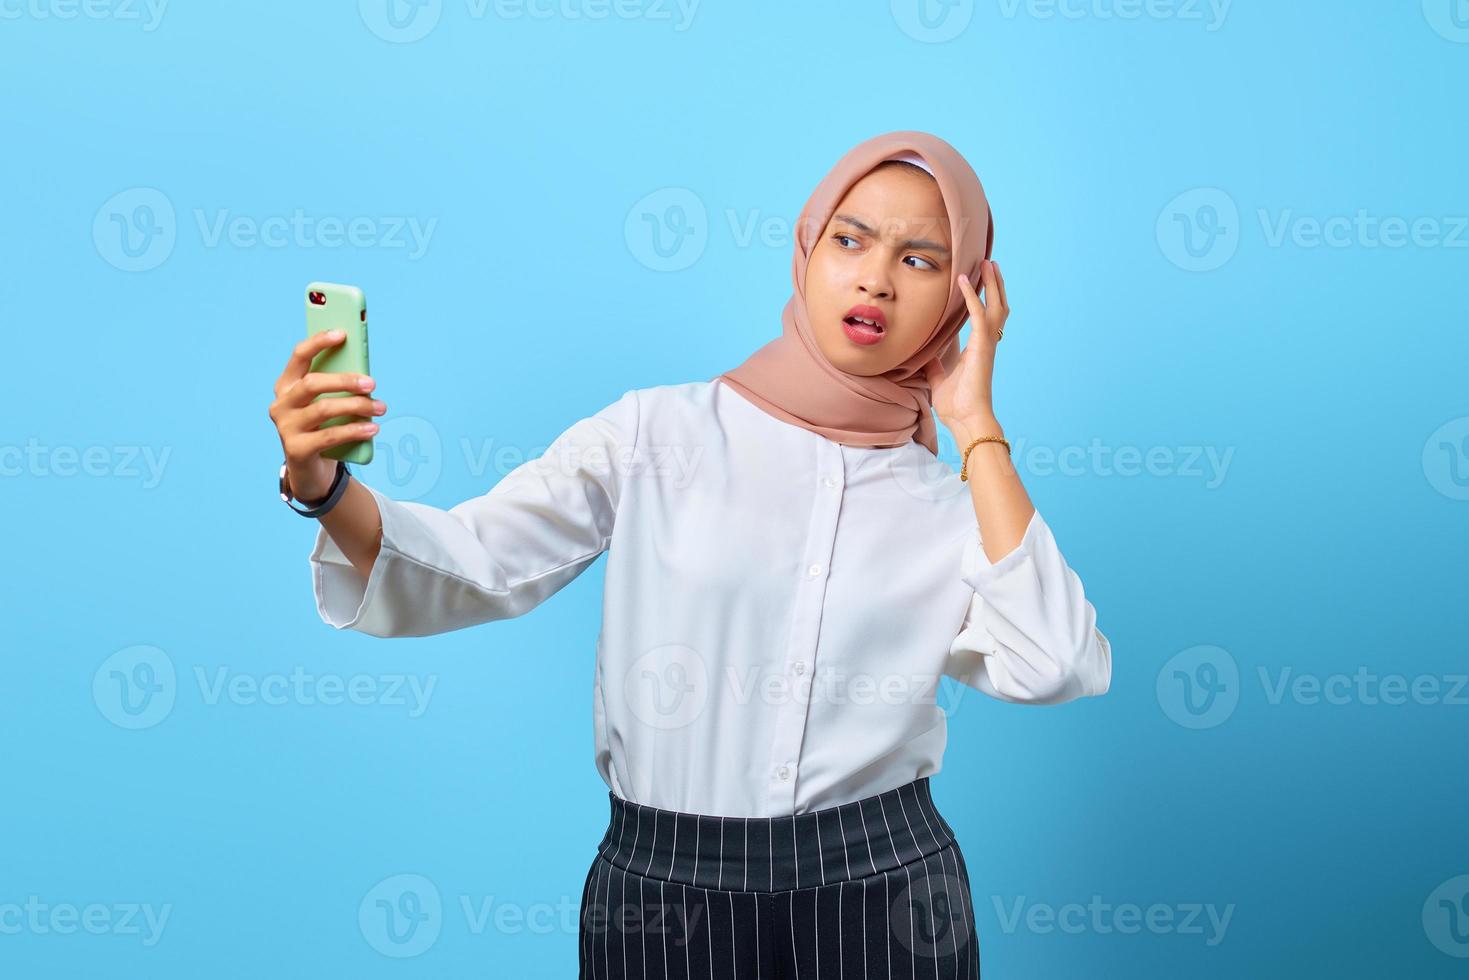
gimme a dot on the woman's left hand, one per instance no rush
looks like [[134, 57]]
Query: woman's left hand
[[964, 397]]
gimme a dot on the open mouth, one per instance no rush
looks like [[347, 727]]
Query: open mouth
[[864, 325]]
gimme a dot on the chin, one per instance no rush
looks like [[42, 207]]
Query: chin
[[856, 360]]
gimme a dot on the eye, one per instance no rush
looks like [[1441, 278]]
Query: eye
[[924, 261], [838, 239]]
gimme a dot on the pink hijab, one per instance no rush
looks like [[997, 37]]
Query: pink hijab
[[792, 380]]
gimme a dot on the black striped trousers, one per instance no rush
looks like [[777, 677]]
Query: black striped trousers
[[872, 889]]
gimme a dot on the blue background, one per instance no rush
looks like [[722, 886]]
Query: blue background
[[1147, 315]]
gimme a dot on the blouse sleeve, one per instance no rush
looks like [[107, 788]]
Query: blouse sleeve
[[1030, 635], [495, 556]]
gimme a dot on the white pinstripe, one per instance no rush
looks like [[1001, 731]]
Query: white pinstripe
[[928, 884], [622, 935], [964, 909], [841, 943], [888, 904], [867, 838], [643, 916], [819, 849], [757, 924], [698, 827], [654, 845], [816, 918], [795, 961], [688, 936], [924, 814], [891, 843], [796, 849], [944, 861]]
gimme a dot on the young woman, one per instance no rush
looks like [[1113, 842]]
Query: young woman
[[786, 583]]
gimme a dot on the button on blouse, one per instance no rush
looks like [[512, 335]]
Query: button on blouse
[[778, 608]]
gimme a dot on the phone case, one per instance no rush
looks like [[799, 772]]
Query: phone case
[[331, 306]]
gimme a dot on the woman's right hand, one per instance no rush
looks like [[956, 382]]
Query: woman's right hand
[[298, 418]]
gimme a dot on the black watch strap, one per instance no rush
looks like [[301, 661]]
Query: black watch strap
[[339, 487]]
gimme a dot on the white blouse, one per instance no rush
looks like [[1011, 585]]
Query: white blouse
[[778, 607]]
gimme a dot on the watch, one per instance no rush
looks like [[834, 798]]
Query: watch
[[338, 487]]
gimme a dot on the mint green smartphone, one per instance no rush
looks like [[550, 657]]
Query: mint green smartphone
[[330, 306]]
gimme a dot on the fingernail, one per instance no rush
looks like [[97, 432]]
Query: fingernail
[[334, 334], [364, 383]]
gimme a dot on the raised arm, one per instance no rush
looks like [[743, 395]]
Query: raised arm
[[494, 556]]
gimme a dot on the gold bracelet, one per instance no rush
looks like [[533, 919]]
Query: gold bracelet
[[964, 465]]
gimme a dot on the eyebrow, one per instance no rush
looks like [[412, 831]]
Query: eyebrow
[[919, 243]]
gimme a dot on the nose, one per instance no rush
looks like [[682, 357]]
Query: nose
[[874, 278]]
